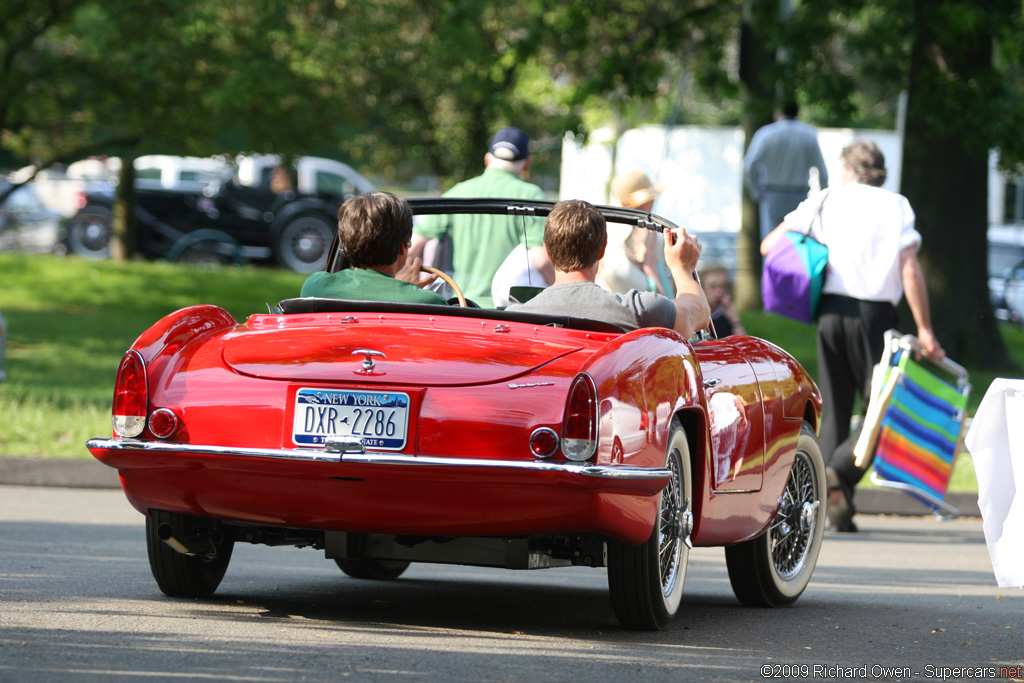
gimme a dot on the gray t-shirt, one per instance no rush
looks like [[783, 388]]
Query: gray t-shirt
[[629, 311]]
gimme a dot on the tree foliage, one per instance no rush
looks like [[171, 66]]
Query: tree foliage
[[427, 82], [417, 86], [955, 94], [83, 77], [959, 62]]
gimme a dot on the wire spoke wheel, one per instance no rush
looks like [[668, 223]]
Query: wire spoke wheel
[[670, 541], [646, 580], [792, 530], [774, 569]]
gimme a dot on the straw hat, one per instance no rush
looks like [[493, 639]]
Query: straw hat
[[633, 189]]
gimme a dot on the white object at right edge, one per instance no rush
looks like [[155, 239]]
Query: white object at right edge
[[996, 443]]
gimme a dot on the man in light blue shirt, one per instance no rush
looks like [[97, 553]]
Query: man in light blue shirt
[[776, 169]]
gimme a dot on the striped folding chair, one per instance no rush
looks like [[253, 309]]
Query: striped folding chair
[[919, 418]]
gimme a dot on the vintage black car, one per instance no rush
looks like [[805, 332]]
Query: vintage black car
[[237, 216]]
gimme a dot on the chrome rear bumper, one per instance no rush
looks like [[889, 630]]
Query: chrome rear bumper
[[351, 451]]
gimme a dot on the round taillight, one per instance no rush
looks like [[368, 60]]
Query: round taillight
[[579, 428], [131, 396], [543, 442], [163, 423]]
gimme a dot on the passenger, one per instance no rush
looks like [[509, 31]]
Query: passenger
[[375, 230], [575, 237]]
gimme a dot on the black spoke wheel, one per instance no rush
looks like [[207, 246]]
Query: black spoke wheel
[[304, 242], [89, 233], [187, 576], [646, 581], [773, 569]]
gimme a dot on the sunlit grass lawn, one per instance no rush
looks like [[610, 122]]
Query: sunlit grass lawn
[[70, 321]]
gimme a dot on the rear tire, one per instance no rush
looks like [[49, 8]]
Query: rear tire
[[187, 576], [773, 569], [89, 233], [646, 581]]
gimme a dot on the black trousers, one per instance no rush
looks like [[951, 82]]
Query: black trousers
[[851, 338]]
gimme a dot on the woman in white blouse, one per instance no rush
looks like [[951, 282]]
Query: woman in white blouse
[[872, 264]]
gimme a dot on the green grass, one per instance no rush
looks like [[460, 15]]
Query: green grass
[[70, 321]]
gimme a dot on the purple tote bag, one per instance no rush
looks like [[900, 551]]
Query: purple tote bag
[[794, 273], [793, 276]]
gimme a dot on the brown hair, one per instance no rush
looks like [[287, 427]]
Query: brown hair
[[574, 234], [866, 161], [373, 227]]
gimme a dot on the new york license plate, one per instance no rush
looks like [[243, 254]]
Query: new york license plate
[[380, 419]]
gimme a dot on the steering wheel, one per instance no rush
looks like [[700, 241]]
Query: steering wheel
[[448, 281]]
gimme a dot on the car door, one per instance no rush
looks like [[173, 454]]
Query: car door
[[735, 414]]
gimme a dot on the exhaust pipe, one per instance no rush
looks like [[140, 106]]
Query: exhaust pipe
[[194, 545]]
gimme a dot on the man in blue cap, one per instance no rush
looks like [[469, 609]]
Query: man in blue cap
[[479, 243]]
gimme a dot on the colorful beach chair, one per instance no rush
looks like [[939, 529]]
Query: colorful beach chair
[[914, 427]]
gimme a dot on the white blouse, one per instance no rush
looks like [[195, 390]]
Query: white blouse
[[865, 228]]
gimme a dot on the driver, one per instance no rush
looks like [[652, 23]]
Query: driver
[[375, 229], [575, 237]]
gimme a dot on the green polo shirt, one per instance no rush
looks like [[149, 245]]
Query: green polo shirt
[[368, 285], [480, 243]]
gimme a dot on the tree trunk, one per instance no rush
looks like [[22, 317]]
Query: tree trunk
[[123, 245], [755, 61], [946, 184]]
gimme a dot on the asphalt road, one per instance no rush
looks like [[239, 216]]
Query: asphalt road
[[77, 602]]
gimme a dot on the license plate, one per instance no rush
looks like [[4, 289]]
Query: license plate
[[380, 419]]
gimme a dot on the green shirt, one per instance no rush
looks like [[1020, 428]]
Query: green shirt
[[368, 285], [480, 243]]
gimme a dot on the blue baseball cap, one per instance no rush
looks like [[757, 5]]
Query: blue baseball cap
[[510, 144]]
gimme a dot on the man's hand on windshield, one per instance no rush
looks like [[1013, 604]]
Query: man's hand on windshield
[[681, 250]]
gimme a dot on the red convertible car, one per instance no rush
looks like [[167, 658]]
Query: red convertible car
[[388, 433]]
